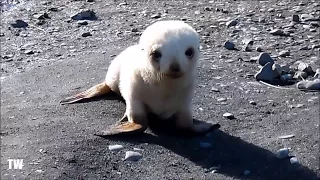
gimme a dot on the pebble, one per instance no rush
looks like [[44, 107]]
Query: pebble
[[277, 32], [305, 26], [156, 16], [19, 24], [116, 147], [284, 53], [205, 145], [39, 171], [41, 16], [252, 102], [228, 115], [221, 99], [282, 153], [295, 18], [315, 46], [85, 15], [286, 77], [229, 45], [315, 24], [266, 73], [286, 136], [265, 58], [247, 44], [29, 52], [83, 22], [305, 67], [304, 48], [86, 34], [231, 23], [294, 160], [259, 49], [307, 17], [309, 85], [215, 89], [132, 156]]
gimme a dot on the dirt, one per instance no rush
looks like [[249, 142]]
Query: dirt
[[57, 142]]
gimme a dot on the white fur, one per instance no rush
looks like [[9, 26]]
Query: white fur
[[143, 83]]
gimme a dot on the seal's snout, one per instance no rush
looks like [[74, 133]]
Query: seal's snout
[[174, 67]]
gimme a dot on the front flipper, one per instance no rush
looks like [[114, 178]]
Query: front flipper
[[124, 128], [97, 90], [133, 122]]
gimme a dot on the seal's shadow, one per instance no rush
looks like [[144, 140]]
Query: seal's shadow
[[229, 155]]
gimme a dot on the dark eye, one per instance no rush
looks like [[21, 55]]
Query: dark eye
[[156, 55], [189, 52]]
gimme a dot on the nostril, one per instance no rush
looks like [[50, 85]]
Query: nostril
[[174, 67]]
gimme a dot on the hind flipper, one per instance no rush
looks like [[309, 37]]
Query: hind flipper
[[97, 90]]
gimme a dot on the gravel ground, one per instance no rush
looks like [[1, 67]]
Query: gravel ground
[[56, 56]]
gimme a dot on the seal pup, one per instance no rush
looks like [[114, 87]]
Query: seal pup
[[158, 75]]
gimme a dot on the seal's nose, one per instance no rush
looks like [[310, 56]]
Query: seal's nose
[[174, 67]]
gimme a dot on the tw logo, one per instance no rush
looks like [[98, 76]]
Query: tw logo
[[15, 163]]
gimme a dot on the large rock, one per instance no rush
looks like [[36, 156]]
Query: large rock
[[266, 73], [85, 15], [265, 58]]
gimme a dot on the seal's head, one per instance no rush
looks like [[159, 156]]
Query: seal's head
[[171, 47]]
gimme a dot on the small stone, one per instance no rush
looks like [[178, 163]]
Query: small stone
[[294, 160], [259, 49], [277, 32], [86, 34], [41, 16], [215, 89], [123, 4], [247, 44], [308, 85], [252, 103], [229, 45], [205, 145], [305, 26], [315, 46], [265, 58], [266, 73], [282, 153], [271, 10], [231, 23], [156, 16], [304, 48], [286, 136], [19, 24], [83, 22], [286, 77], [246, 172], [85, 15], [39, 171], [315, 24], [305, 67], [29, 52], [132, 156], [116, 147], [228, 115], [284, 53], [300, 75], [295, 18], [221, 99], [307, 17], [134, 30]]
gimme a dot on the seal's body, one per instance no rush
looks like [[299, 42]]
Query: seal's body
[[157, 76]]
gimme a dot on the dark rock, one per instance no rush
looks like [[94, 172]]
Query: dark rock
[[85, 15], [229, 45], [266, 73], [265, 58], [86, 34], [19, 24]]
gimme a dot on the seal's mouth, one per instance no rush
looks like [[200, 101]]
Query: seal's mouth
[[173, 75]]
